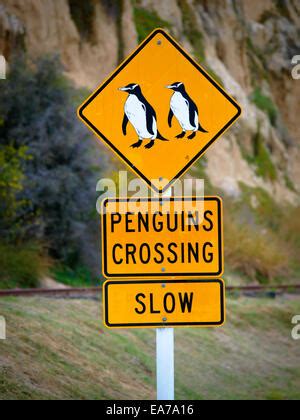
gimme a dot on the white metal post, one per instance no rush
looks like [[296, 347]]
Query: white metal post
[[165, 363], [165, 356]]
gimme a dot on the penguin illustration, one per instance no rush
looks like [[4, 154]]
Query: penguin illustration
[[185, 110], [141, 115]]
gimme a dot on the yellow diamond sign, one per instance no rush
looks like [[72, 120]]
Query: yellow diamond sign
[[159, 111]]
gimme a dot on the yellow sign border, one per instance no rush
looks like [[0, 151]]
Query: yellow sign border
[[216, 324], [81, 109]]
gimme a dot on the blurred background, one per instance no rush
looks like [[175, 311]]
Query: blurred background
[[58, 51]]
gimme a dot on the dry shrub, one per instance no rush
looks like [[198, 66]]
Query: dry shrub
[[256, 252], [22, 265], [290, 228]]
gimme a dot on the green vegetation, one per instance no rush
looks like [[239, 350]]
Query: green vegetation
[[265, 167], [264, 103], [262, 159], [257, 62], [82, 13], [214, 75], [21, 265], [256, 252], [146, 21], [289, 228], [47, 171], [119, 5], [262, 239], [199, 172], [266, 15], [289, 183], [58, 350], [11, 184], [192, 30], [253, 247], [79, 276], [283, 8], [195, 37], [266, 211]]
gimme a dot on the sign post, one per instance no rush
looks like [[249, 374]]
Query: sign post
[[159, 112], [165, 357], [165, 363]]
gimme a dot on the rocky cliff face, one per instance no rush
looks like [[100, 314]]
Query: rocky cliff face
[[247, 45]]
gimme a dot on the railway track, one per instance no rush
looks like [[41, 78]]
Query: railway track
[[94, 292]]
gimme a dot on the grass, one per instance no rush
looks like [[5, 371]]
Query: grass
[[256, 252], [267, 212], [261, 158], [82, 14], [265, 167], [192, 30], [76, 277], [266, 104], [58, 349], [257, 62], [289, 230], [262, 239], [214, 75], [283, 8], [198, 171], [146, 21], [289, 183], [21, 265]]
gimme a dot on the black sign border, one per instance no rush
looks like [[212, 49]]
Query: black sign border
[[165, 324], [192, 161], [162, 275]]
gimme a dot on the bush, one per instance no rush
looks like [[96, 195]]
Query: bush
[[289, 229], [261, 158], [146, 21], [82, 13], [264, 103], [192, 30], [37, 111], [80, 276], [11, 184], [255, 252], [266, 212], [22, 265]]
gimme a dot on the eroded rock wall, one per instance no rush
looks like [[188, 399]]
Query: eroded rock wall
[[247, 44]]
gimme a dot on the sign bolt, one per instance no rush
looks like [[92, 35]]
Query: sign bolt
[[164, 319], [163, 270]]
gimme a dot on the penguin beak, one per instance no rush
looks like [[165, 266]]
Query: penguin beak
[[169, 87], [123, 89]]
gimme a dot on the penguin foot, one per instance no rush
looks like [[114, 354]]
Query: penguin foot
[[181, 135], [136, 145], [150, 145], [192, 136]]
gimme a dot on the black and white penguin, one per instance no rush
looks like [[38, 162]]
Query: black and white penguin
[[141, 115], [185, 110]]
